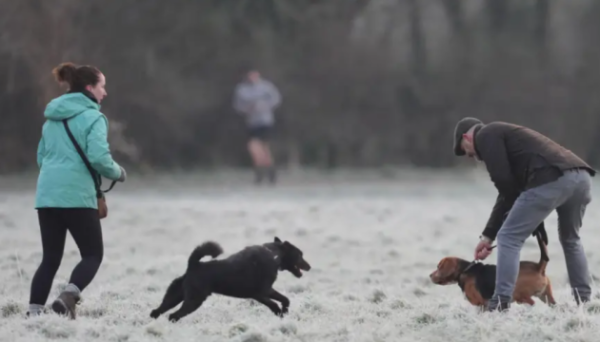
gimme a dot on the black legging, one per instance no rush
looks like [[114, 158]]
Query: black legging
[[84, 226]]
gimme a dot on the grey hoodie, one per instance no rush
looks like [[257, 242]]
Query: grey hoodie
[[256, 101]]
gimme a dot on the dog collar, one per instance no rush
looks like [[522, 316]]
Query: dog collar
[[276, 256]]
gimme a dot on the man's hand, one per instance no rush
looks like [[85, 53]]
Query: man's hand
[[483, 249]]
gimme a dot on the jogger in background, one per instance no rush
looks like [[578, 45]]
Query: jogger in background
[[255, 98]]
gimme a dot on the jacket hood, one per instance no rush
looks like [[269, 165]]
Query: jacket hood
[[69, 105]]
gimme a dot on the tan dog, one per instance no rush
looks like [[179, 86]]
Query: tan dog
[[478, 281]]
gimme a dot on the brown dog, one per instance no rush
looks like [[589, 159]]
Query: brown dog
[[478, 281]]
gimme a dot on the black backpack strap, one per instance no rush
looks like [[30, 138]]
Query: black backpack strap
[[95, 176]]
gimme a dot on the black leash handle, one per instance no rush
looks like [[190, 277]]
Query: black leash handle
[[95, 176]]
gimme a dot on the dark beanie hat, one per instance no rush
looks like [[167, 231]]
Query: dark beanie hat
[[461, 128]]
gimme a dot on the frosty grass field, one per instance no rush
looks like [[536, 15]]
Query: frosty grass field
[[372, 244]]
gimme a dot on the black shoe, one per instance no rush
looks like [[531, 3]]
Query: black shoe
[[66, 303], [501, 306], [581, 300], [258, 175], [272, 175]]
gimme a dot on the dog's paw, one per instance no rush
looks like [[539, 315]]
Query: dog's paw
[[154, 314], [282, 312], [173, 318], [277, 311]]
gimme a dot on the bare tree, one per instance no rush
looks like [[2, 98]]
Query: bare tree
[[379, 99]]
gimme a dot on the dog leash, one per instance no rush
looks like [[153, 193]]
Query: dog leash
[[538, 233], [475, 262]]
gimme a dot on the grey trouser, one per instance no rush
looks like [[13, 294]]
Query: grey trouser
[[569, 195]]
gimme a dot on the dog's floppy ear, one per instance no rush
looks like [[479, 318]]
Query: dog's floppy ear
[[447, 268], [277, 240]]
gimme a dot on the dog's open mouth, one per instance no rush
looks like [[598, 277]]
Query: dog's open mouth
[[304, 266], [297, 269]]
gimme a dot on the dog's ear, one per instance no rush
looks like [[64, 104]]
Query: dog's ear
[[288, 246], [448, 268], [277, 240]]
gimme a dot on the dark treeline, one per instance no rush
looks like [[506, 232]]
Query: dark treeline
[[364, 82]]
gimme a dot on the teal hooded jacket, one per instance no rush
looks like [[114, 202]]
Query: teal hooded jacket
[[64, 181]]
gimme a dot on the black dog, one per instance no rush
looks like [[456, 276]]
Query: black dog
[[249, 273]]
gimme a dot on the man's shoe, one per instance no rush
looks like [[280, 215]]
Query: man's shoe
[[272, 173], [497, 306]]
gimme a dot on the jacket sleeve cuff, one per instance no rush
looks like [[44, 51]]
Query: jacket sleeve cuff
[[489, 233], [483, 237]]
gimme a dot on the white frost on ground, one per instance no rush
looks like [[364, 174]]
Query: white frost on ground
[[372, 245]]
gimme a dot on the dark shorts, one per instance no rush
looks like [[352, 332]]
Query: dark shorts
[[262, 133]]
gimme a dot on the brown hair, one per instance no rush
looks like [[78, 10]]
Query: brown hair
[[77, 77]]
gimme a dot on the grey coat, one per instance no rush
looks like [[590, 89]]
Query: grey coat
[[256, 102]]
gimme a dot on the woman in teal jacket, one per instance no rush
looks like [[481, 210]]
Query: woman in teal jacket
[[66, 193]]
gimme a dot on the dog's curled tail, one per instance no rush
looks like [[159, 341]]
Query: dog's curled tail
[[542, 238], [208, 248]]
